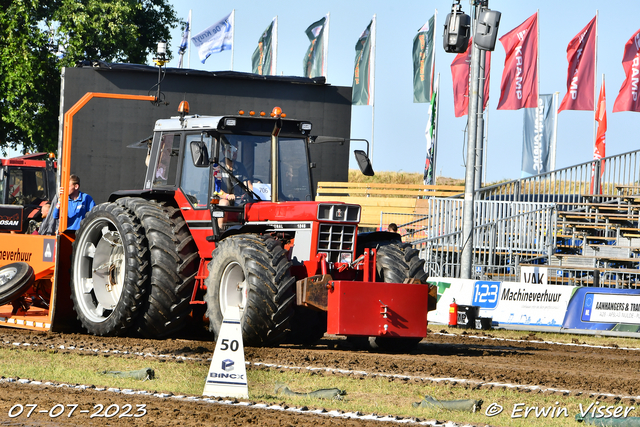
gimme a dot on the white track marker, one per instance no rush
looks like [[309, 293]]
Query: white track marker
[[227, 375]]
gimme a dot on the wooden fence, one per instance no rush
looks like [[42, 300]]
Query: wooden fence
[[390, 198]]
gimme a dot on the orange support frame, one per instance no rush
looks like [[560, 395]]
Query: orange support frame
[[66, 143], [34, 249]]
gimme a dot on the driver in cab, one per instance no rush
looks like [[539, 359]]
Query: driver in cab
[[230, 188]]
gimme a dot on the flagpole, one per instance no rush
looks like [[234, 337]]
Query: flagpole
[[538, 55], [433, 60], [433, 68], [373, 79], [435, 130], [554, 139], [485, 148], [325, 35], [233, 35], [274, 49], [595, 86], [189, 42]]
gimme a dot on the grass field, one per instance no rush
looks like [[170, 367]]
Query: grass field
[[400, 177], [379, 394]]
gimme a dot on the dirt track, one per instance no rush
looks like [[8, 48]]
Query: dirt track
[[531, 362]]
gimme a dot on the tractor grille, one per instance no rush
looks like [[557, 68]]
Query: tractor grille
[[335, 239]]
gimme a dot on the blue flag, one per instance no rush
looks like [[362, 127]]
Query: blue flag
[[214, 39], [184, 43]]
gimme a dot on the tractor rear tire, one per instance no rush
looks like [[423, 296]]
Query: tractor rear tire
[[252, 272], [15, 279], [174, 259], [109, 270], [395, 262]]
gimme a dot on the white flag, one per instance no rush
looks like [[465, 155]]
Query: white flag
[[214, 39], [185, 40]]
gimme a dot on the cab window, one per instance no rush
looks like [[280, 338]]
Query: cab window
[[194, 181]]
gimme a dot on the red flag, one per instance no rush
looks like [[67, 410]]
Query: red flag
[[460, 68], [601, 118], [519, 87], [599, 148], [581, 54], [628, 99]]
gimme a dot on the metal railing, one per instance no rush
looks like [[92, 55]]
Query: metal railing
[[571, 184], [505, 234], [509, 234]]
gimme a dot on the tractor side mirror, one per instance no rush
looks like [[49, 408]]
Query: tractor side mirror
[[364, 163], [199, 154], [216, 150]]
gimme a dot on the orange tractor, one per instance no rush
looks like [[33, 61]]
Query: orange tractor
[[226, 217]]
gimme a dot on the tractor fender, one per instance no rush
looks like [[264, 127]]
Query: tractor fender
[[155, 194], [243, 229]]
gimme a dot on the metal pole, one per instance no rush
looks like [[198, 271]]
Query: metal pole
[[480, 132], [372, 82], [485, 147], [479, 143], [274, 49], [189, 42], [595, 87], [325, 54], [466, 260], [233, 35], [554, 139], [435, 132]]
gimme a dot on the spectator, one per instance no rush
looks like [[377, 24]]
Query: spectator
[[393, 227], [49, 224], [79, 204], [36, 226]]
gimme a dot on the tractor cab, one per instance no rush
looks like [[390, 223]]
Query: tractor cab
[[224, 163], [26, 182]]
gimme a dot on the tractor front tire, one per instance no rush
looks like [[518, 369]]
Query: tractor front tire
[[109, 270], [251, 272]]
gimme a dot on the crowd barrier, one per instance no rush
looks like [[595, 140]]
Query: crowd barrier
[[544, 308]]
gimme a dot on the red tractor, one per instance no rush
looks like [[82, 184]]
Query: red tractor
[[226, 217]]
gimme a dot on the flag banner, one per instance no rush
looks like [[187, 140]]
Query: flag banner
[[423, 62], [537, 133], [628, 99], [184, 43], [601, 118], [581, 54], [214, 39], [313, 63], [460, 69], [261, 59], [599, 149], [362, 71], [429, 165], [519, 87]]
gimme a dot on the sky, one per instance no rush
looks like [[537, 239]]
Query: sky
[[398, 127]]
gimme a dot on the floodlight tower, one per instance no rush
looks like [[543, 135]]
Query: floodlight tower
[[485, 36]]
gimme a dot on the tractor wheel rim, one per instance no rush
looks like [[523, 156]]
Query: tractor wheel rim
[[7, 274], [233, 288], [100, 271]]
